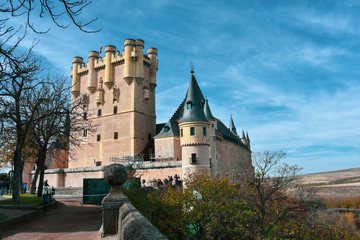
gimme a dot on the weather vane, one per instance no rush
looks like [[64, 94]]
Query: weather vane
[[192, 66]]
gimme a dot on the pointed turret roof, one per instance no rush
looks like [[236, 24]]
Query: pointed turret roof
[[247, 136], [193, 103], [207, 110], [232, 126], [243, 135]]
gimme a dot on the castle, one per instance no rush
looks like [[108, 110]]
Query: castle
[[118, 93]]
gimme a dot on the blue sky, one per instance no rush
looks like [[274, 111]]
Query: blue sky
[[288, 71]]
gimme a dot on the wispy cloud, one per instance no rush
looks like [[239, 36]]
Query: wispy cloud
[[287, 71]]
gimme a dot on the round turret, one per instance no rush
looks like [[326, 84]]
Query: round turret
[[109, 69], [110, 48], [129, 41], [152, 54], [129, 55], [93, 56], [151, 51], [139, 42], [77, 62], [139, 60]]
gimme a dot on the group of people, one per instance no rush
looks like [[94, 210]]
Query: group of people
[[161, 183], [5, 187]]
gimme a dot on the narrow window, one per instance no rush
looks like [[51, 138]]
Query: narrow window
[[193, 158], [212, 125], [85, 133], [115, 109], [149, 136], [98, 137], [99, 112], [182, 133], [204, 131], [146, 94], [192, 131], [188, 105], [85, 115], [115, 135]]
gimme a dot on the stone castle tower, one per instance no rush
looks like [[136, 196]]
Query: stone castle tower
[[119, 95], [194, 131]]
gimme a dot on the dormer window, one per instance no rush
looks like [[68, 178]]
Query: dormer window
[[188, 105], [166, 129]]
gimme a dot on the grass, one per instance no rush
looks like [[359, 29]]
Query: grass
[[25, 199]]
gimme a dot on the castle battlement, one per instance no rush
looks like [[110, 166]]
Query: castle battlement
[[132, 58]]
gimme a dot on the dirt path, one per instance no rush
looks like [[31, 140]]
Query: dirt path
[[68, 221]]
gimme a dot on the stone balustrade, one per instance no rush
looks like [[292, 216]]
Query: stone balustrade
[[120, 219]]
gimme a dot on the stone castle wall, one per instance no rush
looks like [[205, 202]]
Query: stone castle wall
[[233, 160]]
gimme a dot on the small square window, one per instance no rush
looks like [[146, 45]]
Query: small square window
[[192, 131], [204, 131], [182, 133], [99, 112], [98, 137], [115, 109], [115, 135], [98, 163]]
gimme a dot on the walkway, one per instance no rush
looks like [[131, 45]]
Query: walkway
[[68, 221]]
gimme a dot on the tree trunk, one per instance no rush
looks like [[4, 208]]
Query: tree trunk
[[42, 158], [34, 180], [16, 177], [21, 176]]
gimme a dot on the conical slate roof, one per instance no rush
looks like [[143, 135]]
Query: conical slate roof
[[232, 126], [207, 111], [169, 129], [193, 103]]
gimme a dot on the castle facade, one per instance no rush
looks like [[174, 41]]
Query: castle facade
[[118, 93]]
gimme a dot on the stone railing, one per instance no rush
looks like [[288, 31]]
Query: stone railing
[[120, 219]]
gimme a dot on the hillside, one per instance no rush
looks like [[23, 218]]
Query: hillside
[[335, 184]]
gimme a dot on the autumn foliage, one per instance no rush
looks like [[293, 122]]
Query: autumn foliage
[[258, 207]]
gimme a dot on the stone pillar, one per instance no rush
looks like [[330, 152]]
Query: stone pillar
[[115, 175]]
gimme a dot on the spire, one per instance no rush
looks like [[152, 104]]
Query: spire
[[193, 103], [232, 126], [207, 110], [243, 135], [247, 136]]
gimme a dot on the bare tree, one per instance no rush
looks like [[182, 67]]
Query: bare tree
[[18, 78], [268, 192], [51, 125], [19, 70], [62, 12]]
